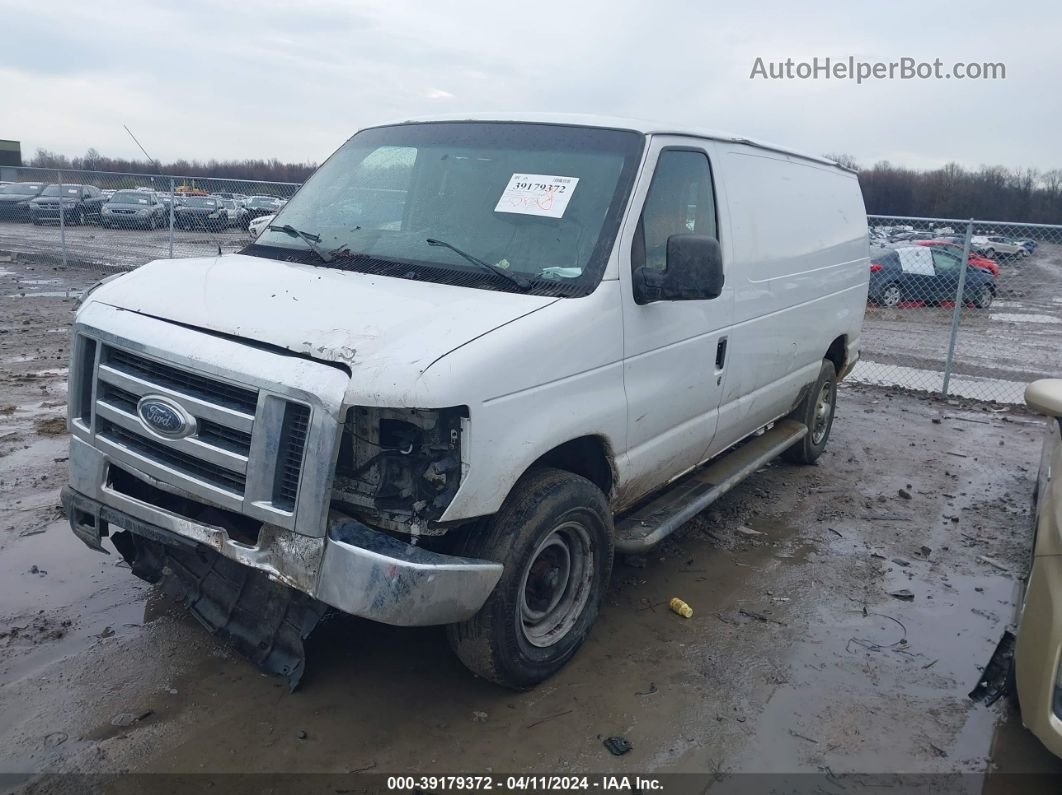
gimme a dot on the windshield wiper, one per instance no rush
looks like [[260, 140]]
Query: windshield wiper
[[311, 240], [519, 281]]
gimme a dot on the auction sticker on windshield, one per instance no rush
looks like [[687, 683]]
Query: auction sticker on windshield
[[537, 194]]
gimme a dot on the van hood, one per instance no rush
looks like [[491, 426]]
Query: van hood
[[354, 319]]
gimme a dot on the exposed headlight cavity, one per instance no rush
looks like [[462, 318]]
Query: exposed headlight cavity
[[399, 469]]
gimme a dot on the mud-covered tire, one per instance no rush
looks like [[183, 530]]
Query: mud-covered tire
[[509, 641], [816, 411]]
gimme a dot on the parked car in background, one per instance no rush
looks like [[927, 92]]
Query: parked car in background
[[239, 197], [258, 225], [134, 208], [200, 212], [974, 259], [991, 246], [235, 213], [1030, 245], [262, 205], [901, 237], [15, 198], [1037, 677], [925, 274], [78, 204], [166, 200]]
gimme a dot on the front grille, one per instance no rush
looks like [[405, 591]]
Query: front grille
[[192, 384], [175, 459], [118, 397], [230, 430], [289, 456], [226, 438]]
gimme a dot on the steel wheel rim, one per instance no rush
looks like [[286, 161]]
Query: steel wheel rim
[[823, 413], [891, 296], [555, 586]]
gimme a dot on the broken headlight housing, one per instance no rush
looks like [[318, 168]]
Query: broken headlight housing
[[399, 469]]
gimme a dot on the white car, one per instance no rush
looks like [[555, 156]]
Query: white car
[[258, 225], [992, 246], [462, 378]]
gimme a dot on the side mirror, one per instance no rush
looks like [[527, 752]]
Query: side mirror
[[694, 272], [1045, 397]]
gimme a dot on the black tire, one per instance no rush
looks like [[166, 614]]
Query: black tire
[[552, 521], [983, 297], [990, 253], [816, 411], [36, 221]]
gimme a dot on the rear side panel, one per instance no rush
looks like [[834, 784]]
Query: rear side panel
[[799, 266]]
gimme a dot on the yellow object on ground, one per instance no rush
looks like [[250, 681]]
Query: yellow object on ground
[[680, 607]]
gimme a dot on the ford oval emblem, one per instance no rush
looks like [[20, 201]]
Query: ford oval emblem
[[164, 417]]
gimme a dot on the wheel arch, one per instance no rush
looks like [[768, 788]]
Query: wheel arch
[[837, 352], [589, 456]]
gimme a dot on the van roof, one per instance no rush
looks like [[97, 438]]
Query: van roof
[[616, 123]]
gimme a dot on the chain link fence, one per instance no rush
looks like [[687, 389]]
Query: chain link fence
[[110, 221], [981, 331]]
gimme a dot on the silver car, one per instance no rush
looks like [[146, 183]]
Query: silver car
[[134, 208]]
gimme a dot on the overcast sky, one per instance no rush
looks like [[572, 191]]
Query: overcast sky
[[293, 79]]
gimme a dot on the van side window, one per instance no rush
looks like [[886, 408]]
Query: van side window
[[680, 201]]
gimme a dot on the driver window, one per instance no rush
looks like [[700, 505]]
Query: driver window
[[943, 262], [680, 201]]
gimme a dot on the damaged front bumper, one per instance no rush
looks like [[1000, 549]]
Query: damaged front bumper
[[352, 568]]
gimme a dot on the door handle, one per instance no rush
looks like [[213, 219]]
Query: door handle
[[720, 354]]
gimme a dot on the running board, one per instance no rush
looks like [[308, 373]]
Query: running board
[[685, 498]]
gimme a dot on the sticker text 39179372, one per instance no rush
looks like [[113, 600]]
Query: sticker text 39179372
[[537, 194]]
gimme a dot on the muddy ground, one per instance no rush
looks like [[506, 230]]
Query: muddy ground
[[796, 658]]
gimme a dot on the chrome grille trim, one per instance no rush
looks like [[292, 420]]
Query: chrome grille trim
[[190, 446], [238, 420], [172, 457], [185, 382]]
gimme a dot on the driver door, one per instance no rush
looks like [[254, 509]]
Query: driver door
[[945, 282], [674, 351]]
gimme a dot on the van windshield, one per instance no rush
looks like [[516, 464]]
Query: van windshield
[[457, 202]]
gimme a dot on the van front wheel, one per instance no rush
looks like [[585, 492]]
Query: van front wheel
[[816, 411], [554, 537]]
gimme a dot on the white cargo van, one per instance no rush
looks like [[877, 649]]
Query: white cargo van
[[467, 363]]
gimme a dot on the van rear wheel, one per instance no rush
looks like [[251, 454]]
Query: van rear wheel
[[554, 536], [816, 411]]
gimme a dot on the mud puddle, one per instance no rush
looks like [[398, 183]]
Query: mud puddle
[[59, 597]]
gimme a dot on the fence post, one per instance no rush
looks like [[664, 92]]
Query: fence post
[[62, 220], [955, 315], [173, 201]]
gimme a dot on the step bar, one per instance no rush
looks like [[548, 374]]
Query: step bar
[[685, 498]]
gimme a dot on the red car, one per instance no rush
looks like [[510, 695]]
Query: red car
[[976, 260]]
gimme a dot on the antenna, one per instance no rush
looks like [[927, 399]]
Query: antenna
[[142, 149]]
